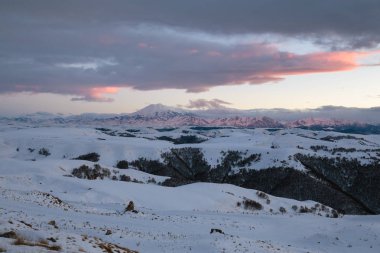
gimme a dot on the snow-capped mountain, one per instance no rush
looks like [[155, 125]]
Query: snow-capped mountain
[[156, 110]]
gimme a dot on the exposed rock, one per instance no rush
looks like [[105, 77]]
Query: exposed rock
[[130, 207], [216, 230], [53, 223], [10, 234], [51, 239]]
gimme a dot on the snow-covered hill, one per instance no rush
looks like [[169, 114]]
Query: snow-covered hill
[[275, 146], [44, 208]]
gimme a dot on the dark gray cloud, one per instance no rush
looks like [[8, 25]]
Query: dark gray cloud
[[349, 17], [74, 47], [207, 104], [359, 20]]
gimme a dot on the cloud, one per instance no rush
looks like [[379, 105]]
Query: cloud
[[368, 115], [371, 65], [207, 104], [97, 94], [67, 47], [356, 23], [354, 114], [171, 60]]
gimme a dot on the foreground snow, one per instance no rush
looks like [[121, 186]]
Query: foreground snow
[[89, 215]]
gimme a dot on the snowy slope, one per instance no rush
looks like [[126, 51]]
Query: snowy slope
[[36, 190]]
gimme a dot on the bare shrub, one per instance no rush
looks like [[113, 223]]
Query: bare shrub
[[124, 178], [92, 157], [187, 163], [85, 172], [151, 180], [334, 214], [250, 204], [123, 164], [262, 195], [44, 152], [305, 209]]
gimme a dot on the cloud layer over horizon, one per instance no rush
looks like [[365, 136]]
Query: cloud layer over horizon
[[89, 49]]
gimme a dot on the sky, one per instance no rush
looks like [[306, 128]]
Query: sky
[[118, 56]]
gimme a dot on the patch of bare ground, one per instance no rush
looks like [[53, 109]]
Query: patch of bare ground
[[41, 243], [20, 241], [108, 247], [111, 248]]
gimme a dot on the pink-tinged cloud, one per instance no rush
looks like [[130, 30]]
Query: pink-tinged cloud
[[317, 63], [214, 54], [67, 48], [97, 94], [169, 61], [269, 65], [193, 51], [142, 45]]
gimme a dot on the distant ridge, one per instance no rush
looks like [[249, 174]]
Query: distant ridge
[[161, 115]]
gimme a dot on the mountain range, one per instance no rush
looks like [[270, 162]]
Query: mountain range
[[158, 115]]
